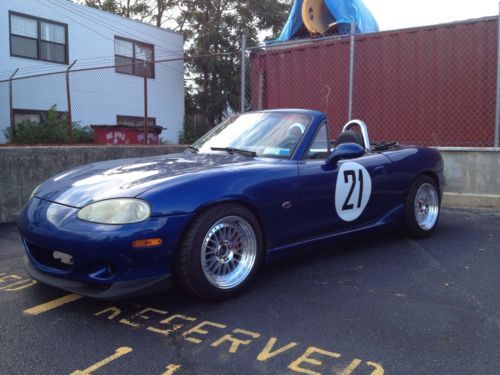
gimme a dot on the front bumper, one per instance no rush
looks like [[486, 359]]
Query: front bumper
[[117, 290], [104, 263]]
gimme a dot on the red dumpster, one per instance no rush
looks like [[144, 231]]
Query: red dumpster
[[125, 134]]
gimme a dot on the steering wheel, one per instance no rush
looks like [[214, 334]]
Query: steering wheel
[[289, 142]]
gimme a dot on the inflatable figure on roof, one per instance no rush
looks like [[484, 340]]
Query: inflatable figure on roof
[[327, 17]]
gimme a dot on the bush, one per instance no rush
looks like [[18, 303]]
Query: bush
[[52, 129]]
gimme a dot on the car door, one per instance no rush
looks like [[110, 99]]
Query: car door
[[350, 194]]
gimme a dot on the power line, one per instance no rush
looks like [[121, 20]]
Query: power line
[[78, 22], [103, 63], [81, 61], [45, 67], [83, 14], [95, 68], [90, 9]]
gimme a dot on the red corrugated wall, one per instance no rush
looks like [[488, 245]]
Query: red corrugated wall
[[432, 86]]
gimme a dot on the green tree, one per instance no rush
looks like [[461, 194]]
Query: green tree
[[215, 27], [162, 11], [156, 12], [126, 8]]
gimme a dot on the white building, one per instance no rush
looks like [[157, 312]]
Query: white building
[[45, 36]]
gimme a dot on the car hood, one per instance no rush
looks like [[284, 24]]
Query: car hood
[[128, 177]]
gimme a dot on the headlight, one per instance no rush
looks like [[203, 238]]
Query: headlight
[[115, 211], [33, 192]]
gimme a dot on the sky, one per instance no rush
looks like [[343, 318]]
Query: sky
[[399, 14]]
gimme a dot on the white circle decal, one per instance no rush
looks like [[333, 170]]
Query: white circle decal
[[352, 191]]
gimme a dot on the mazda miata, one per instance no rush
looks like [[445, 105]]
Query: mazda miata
[[258, 185]]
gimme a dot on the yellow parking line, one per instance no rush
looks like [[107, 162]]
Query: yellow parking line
[[52, 304], [121, 351], [171, 369]]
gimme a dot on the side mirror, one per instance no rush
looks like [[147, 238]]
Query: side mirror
[[344, 151]]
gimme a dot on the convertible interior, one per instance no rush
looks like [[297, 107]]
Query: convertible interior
[[348, 135]]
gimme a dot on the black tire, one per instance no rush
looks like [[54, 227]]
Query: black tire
[[188, 270], [414, 227]]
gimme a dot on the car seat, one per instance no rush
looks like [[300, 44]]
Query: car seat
[[294, 134], [349, 136]]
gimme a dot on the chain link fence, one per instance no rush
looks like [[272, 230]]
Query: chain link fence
[[141, 103], [432, 86]]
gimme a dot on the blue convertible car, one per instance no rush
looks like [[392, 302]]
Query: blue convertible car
[[257, 185]]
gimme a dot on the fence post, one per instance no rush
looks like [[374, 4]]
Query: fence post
[[11, 108], [261, 90], [69, 117], [496, 141], [351, 71], [145, 103], [243, 72]]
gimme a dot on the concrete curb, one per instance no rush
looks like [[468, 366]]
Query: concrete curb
[[459, 200]]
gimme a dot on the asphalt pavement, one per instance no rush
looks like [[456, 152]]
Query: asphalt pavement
[[374, 305]]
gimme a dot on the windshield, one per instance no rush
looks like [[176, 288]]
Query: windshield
[[271, 134]]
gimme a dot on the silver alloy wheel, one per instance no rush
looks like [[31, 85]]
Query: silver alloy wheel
[[426, 206], [228, 252]]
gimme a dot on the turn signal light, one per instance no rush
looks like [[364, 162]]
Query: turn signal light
[[148, 242]]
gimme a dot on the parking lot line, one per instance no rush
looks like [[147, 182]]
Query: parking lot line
[[52, 304], [171, 369], [121, 351]]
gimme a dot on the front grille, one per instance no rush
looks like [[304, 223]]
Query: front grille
[[46, 257]]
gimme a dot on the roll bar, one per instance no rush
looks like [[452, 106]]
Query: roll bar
[[364, 132]]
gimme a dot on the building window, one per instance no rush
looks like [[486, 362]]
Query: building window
[[34, 116], [21, 116], [134, 120], [36, 38], [131, 57]]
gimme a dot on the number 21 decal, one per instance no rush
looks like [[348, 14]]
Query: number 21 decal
[[352, 190]]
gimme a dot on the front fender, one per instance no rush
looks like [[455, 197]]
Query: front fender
[[263, 188]]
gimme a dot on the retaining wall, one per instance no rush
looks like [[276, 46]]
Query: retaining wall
[[472, 177], [472, 174], [23, 168]]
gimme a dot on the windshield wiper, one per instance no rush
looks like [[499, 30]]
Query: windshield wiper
[[194, 149], [233, 150]]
